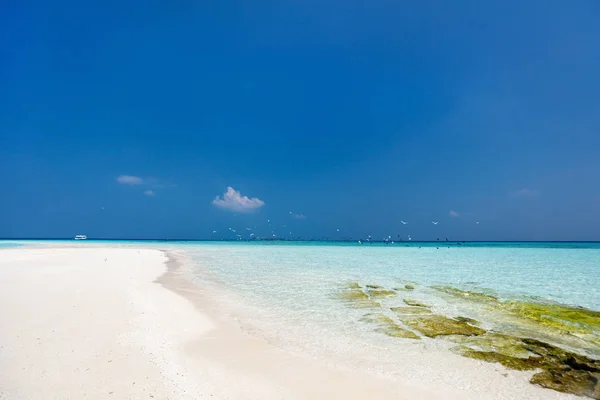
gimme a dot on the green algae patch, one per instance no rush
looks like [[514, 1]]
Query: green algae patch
[[559, 369], [356, 298], [415, 303], [552, 315], [374, 287], [565, 371], [465, 294], [379, 293], [516, 363], [354, 294], [352, 285], [555, 316], [494, 342], [387, 326], [411, 310], [467, 320], [375, 318], [405, 288], [576, 326], [437, 325], [581, 383], [397, 331]]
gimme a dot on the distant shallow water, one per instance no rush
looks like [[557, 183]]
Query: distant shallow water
[[318, 243], [5, 244], [565, 273]]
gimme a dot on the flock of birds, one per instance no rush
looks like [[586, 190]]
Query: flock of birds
[[252, 235]]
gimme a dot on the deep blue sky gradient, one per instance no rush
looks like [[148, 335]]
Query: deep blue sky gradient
[[357, 114]]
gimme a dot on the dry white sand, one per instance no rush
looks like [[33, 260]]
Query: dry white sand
[[114, 323], [90, 323]]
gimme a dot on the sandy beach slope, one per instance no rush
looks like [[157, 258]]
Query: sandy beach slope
[[90, 323]]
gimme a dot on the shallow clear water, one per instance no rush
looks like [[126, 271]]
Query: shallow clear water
[[294, 286], [5, 244], [307, 274]]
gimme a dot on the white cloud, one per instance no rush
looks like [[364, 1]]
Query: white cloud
[[130, 180], [234, 201], [149, 192], [454, 213], [298, 216], [526, 193]]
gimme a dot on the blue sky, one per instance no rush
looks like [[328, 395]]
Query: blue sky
[[355, 115]]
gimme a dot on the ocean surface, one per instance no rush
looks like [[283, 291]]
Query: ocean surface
[[303, 274], [307, 273]]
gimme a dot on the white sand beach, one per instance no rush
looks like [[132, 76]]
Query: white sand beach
[[126, 323]]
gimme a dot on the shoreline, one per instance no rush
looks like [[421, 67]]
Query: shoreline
[[147, 321], [297, 377], [428, 372]]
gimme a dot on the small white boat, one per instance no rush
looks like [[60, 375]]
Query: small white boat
[[80, 237]]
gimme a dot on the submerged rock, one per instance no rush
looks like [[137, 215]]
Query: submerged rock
[[374, 287], [576, 327], [565, 371], [415, 303], [378, 293], [549, 315], [566, 380], [387, 326], [411, 310], [353, 294], [352, 285], [467, 320], [409, 287], [561, 370], [465, 294], [517, 363], [358, 299], [495, 342], [555, 316], [438, 325]]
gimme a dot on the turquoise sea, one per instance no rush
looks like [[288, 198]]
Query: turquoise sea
[[301, 272], [297, 284], [567, 273]]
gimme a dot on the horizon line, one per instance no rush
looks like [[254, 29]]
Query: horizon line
[[296, 240]]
